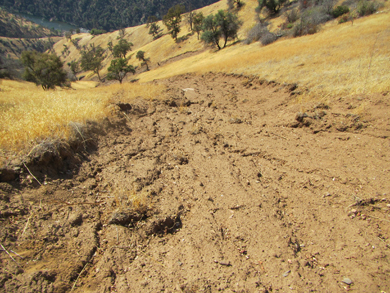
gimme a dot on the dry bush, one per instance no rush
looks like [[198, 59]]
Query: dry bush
[[260, 33], [366, 7], [292, 15]]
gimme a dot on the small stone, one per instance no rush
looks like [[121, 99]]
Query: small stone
[[286, 273], [76, 219], [347, 281]]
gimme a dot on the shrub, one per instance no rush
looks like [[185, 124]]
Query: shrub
[[260, 33], [340, 10], [367, 8], [267, 38], [292, 15], [96, 31], [305, 27]]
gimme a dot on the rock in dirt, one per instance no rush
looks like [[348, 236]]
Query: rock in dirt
[[124, 217], [286, 273], [347, 281], [76, 219]]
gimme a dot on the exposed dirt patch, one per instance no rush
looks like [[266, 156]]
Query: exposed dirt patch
[[227, 185]]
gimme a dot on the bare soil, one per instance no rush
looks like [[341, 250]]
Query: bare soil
[[229, 184]]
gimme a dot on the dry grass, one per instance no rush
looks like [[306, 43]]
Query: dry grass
[[30, 115], [342, 59]]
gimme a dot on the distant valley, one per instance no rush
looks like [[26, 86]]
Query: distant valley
[[107, 15]]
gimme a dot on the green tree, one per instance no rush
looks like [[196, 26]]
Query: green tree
[[118, 69], [92, 59], [211, 32], [120, 50], [172, 20], [272, 5], [96, 31], [223, 25], [141, 57], [197, 22], [155, 30], [43, 69], [74, 67]]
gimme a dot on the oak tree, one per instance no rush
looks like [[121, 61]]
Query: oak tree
[[118, 69], [43, 69]]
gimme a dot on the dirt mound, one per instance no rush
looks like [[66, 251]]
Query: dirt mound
[[230, 184]]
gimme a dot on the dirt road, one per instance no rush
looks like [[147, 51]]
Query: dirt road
[[230, 184]]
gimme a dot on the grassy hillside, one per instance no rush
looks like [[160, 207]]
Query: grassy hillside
[[341, 59]]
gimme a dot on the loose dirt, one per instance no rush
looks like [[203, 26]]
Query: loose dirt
[[230, 184]]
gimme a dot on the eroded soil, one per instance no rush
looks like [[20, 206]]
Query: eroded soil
[[229, 184]]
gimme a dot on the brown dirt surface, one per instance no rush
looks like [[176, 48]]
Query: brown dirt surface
[[229, 184]]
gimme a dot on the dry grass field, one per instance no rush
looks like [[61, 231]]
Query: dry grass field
[[30, 115], [342, 59]]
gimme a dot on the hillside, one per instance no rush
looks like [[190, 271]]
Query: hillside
[[322, 62], [108, 15], [13, 26], [248, 169]]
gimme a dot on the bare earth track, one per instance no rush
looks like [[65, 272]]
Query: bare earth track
[[230, 184]]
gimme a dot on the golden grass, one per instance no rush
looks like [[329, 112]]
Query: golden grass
[[341, 59], [29, 114]]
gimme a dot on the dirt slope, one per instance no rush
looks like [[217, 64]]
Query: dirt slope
[[229, 185]]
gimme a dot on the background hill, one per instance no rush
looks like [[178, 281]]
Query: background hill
[[108, 15], [13, 26]]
